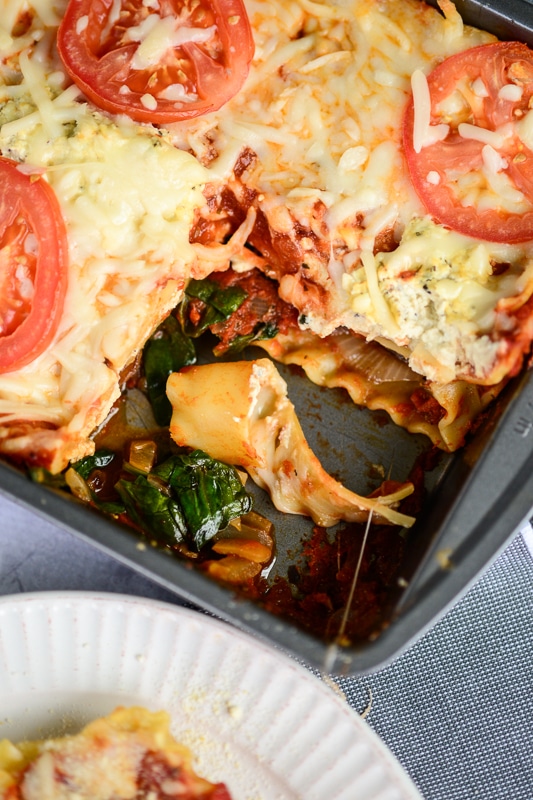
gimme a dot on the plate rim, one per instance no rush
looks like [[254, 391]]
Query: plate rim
[[181, 615]]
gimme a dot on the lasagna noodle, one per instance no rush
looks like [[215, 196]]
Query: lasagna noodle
[[240, 413], [378, 379]]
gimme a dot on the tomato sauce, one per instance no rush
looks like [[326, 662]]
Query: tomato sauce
[[263, 306], [159, 780]]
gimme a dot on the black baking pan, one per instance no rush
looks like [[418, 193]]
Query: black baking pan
[[506, 19], [474, 501]]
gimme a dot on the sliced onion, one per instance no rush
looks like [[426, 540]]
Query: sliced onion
[[142, 455], [244, 548], [260, 307], [233, 569], [78, 485], [251, 526], [373, 361]]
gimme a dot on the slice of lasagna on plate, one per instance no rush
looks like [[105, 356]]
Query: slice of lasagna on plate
[[128, 754]]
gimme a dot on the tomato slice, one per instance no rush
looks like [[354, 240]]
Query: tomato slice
[[489, 87], [33, 266], [160, 61]]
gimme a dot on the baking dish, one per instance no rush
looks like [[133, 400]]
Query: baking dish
[[506, 19], [476, 500]]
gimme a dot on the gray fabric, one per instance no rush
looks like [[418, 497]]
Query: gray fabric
[[456, 709]]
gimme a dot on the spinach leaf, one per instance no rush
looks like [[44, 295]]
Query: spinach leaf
[[113, 507], [152, 510], [100, 459], [42, 475], [167, 351], [171, 347], [85, 466], [219, 303], [188, 497], [210, 493], [265, 330]]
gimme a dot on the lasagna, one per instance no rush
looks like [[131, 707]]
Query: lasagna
[[316, 142], [128, 754], [317, 164], [127, 197]]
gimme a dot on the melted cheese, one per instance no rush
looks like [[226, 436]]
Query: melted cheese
[[322, 109], [158, 34], [312, 101], [128, 197], [424, 133]]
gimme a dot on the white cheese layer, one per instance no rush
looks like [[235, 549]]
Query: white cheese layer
[[442, 293]]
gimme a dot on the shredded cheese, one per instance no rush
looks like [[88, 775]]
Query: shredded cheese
[[321, 112], [511, 92], [423, 132], [128, 197], [494, 138], [156, 35]]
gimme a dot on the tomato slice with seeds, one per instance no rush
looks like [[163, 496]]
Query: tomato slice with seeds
[[489, 87], [33, 265], [160, 61]]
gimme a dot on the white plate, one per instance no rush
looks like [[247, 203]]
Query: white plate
[[255, 719]]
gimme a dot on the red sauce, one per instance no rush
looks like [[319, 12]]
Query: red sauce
[[262, 306], [160, 780], [385, 241], [427, 406], [317, 594]]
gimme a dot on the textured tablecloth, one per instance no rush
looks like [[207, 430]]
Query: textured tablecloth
[[456, 709]]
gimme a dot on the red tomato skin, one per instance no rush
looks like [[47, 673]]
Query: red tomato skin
[[31, 197], [490, 62], [100, 77]]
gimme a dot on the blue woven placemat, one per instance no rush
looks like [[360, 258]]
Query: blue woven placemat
[[457, 708]]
